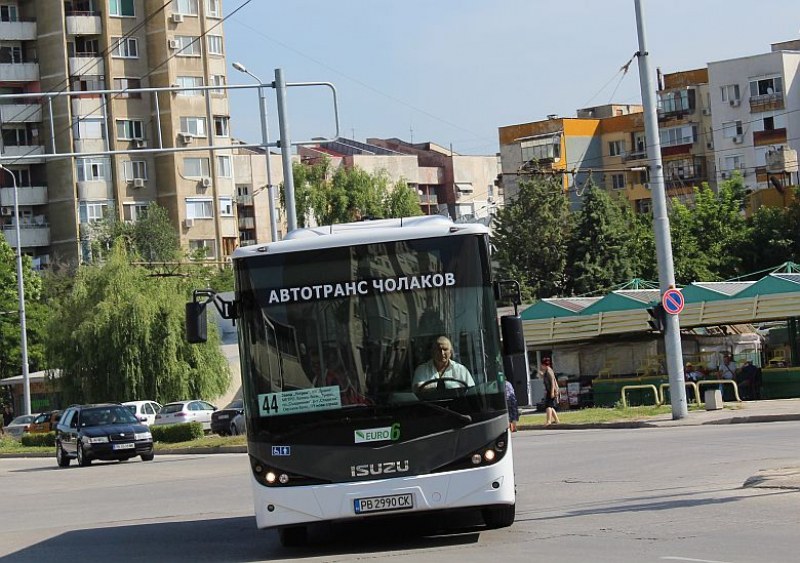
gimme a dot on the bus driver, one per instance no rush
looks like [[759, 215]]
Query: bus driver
[[441, 367]]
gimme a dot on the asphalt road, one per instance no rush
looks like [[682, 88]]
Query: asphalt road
[[621, 495]]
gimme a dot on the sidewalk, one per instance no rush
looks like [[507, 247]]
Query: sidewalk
[[774, 410]]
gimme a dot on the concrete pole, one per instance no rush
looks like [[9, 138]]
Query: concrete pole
[[273, 214], [663, 239], [23, 340], [286, 151]]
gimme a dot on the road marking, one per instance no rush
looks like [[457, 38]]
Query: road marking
[[693, 560]]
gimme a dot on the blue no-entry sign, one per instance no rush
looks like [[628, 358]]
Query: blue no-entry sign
[[672, 301]]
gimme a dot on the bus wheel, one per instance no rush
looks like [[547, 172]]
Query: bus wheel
[[499, 516], [296, 536]]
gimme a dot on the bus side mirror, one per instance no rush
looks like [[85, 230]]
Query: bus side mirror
[[196, 323], [513, 339]]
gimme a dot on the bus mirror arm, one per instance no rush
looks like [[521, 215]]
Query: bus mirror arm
[[500, 292], [227, 309]]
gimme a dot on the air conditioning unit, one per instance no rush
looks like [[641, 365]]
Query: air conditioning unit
[[735, 103], [185, 138], [174, 44], [724, 174], [177, 18], [188, 223], [6, 211], [709, 145], [706, 111], [140, 143], [138, 182], [738, 139], [205, 182]]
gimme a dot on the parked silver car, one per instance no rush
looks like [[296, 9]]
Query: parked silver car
[[186, 411], [17, 427]]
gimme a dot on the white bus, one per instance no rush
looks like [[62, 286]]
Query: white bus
[[357, 307]]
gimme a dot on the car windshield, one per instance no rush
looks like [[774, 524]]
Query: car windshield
[[234, 405], [100, 416], [24, 419], [170, 409]]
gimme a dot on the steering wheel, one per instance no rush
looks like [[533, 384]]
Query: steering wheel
[[440, 383]]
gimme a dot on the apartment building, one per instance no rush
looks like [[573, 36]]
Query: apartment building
[[460, 186], [82, 46], [755, 111]]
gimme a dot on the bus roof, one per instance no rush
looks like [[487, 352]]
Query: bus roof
[[363, 232]]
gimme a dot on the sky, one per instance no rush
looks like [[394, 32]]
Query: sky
[[453, 71]]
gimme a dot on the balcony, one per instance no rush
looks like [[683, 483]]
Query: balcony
[[86, 64], [676, 111], [245, 200], [766, 102], [635, 155], [95, 190], [30, 235], [18, 31], [247, 223], [19, 72], [84, 23], [771, 137], [93, 146], [20, 113], [27, 154], [28, 195]]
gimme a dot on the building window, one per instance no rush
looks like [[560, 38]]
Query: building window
[[769, 123], [215, 46], [732, 129], [189, 82], [92, 212], [132, 212], [766, 86], [678, 135], [730, 93], [134, 169], [128, 84], [222, 126], [194, 126], [89, 128], [213, 9], [194, 167], [188, 45], [616, 148], [130, 129], [11, 54], [734, 162], [8, 13], [199, 208], [92, 169], [186, 7], [224, 169], [121, 8], [644, 205], [17, 136], [204, 246], [226, 207], [683, 169], [125, 48], [618, 181], [546, 148], [87, 83], [217, 80]]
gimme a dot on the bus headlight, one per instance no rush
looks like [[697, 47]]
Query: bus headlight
[[489, 455], [476, 459], [283, 479], [271, 477]]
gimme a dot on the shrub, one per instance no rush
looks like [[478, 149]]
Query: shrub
[[173, 433], [39, 439]]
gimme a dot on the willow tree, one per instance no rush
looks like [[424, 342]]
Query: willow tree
[[119, 335]]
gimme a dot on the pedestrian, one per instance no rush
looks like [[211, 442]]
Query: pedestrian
[[513, 406], [551, 393], [747, 380]]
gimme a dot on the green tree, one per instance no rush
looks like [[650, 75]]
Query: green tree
[[531, 234], [707, 235], [35, 314], [773, 238], [119, 335], [401, 201], [154, 236], [306, 179], [600, 253]]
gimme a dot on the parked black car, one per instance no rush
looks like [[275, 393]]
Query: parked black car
[[222, 420], [107, 432]]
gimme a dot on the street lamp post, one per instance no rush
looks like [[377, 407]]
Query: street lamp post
[[273, 217], [26, 384]]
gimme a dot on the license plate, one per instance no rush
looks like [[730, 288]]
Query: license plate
[[223, 417], [127, 446], [384, 503]]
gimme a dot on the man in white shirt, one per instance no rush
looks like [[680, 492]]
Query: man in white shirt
[[441, 367]]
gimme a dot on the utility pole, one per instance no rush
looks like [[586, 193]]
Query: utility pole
[[663, 239]]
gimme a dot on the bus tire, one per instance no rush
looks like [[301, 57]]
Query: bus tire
[[499, 516], [296, 536]]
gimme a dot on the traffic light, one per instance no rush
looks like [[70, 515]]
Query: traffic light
[[658, 317]]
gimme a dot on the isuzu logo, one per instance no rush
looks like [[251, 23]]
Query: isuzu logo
[[367, 469]]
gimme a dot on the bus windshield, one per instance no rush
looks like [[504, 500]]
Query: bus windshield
[[369, 329]]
